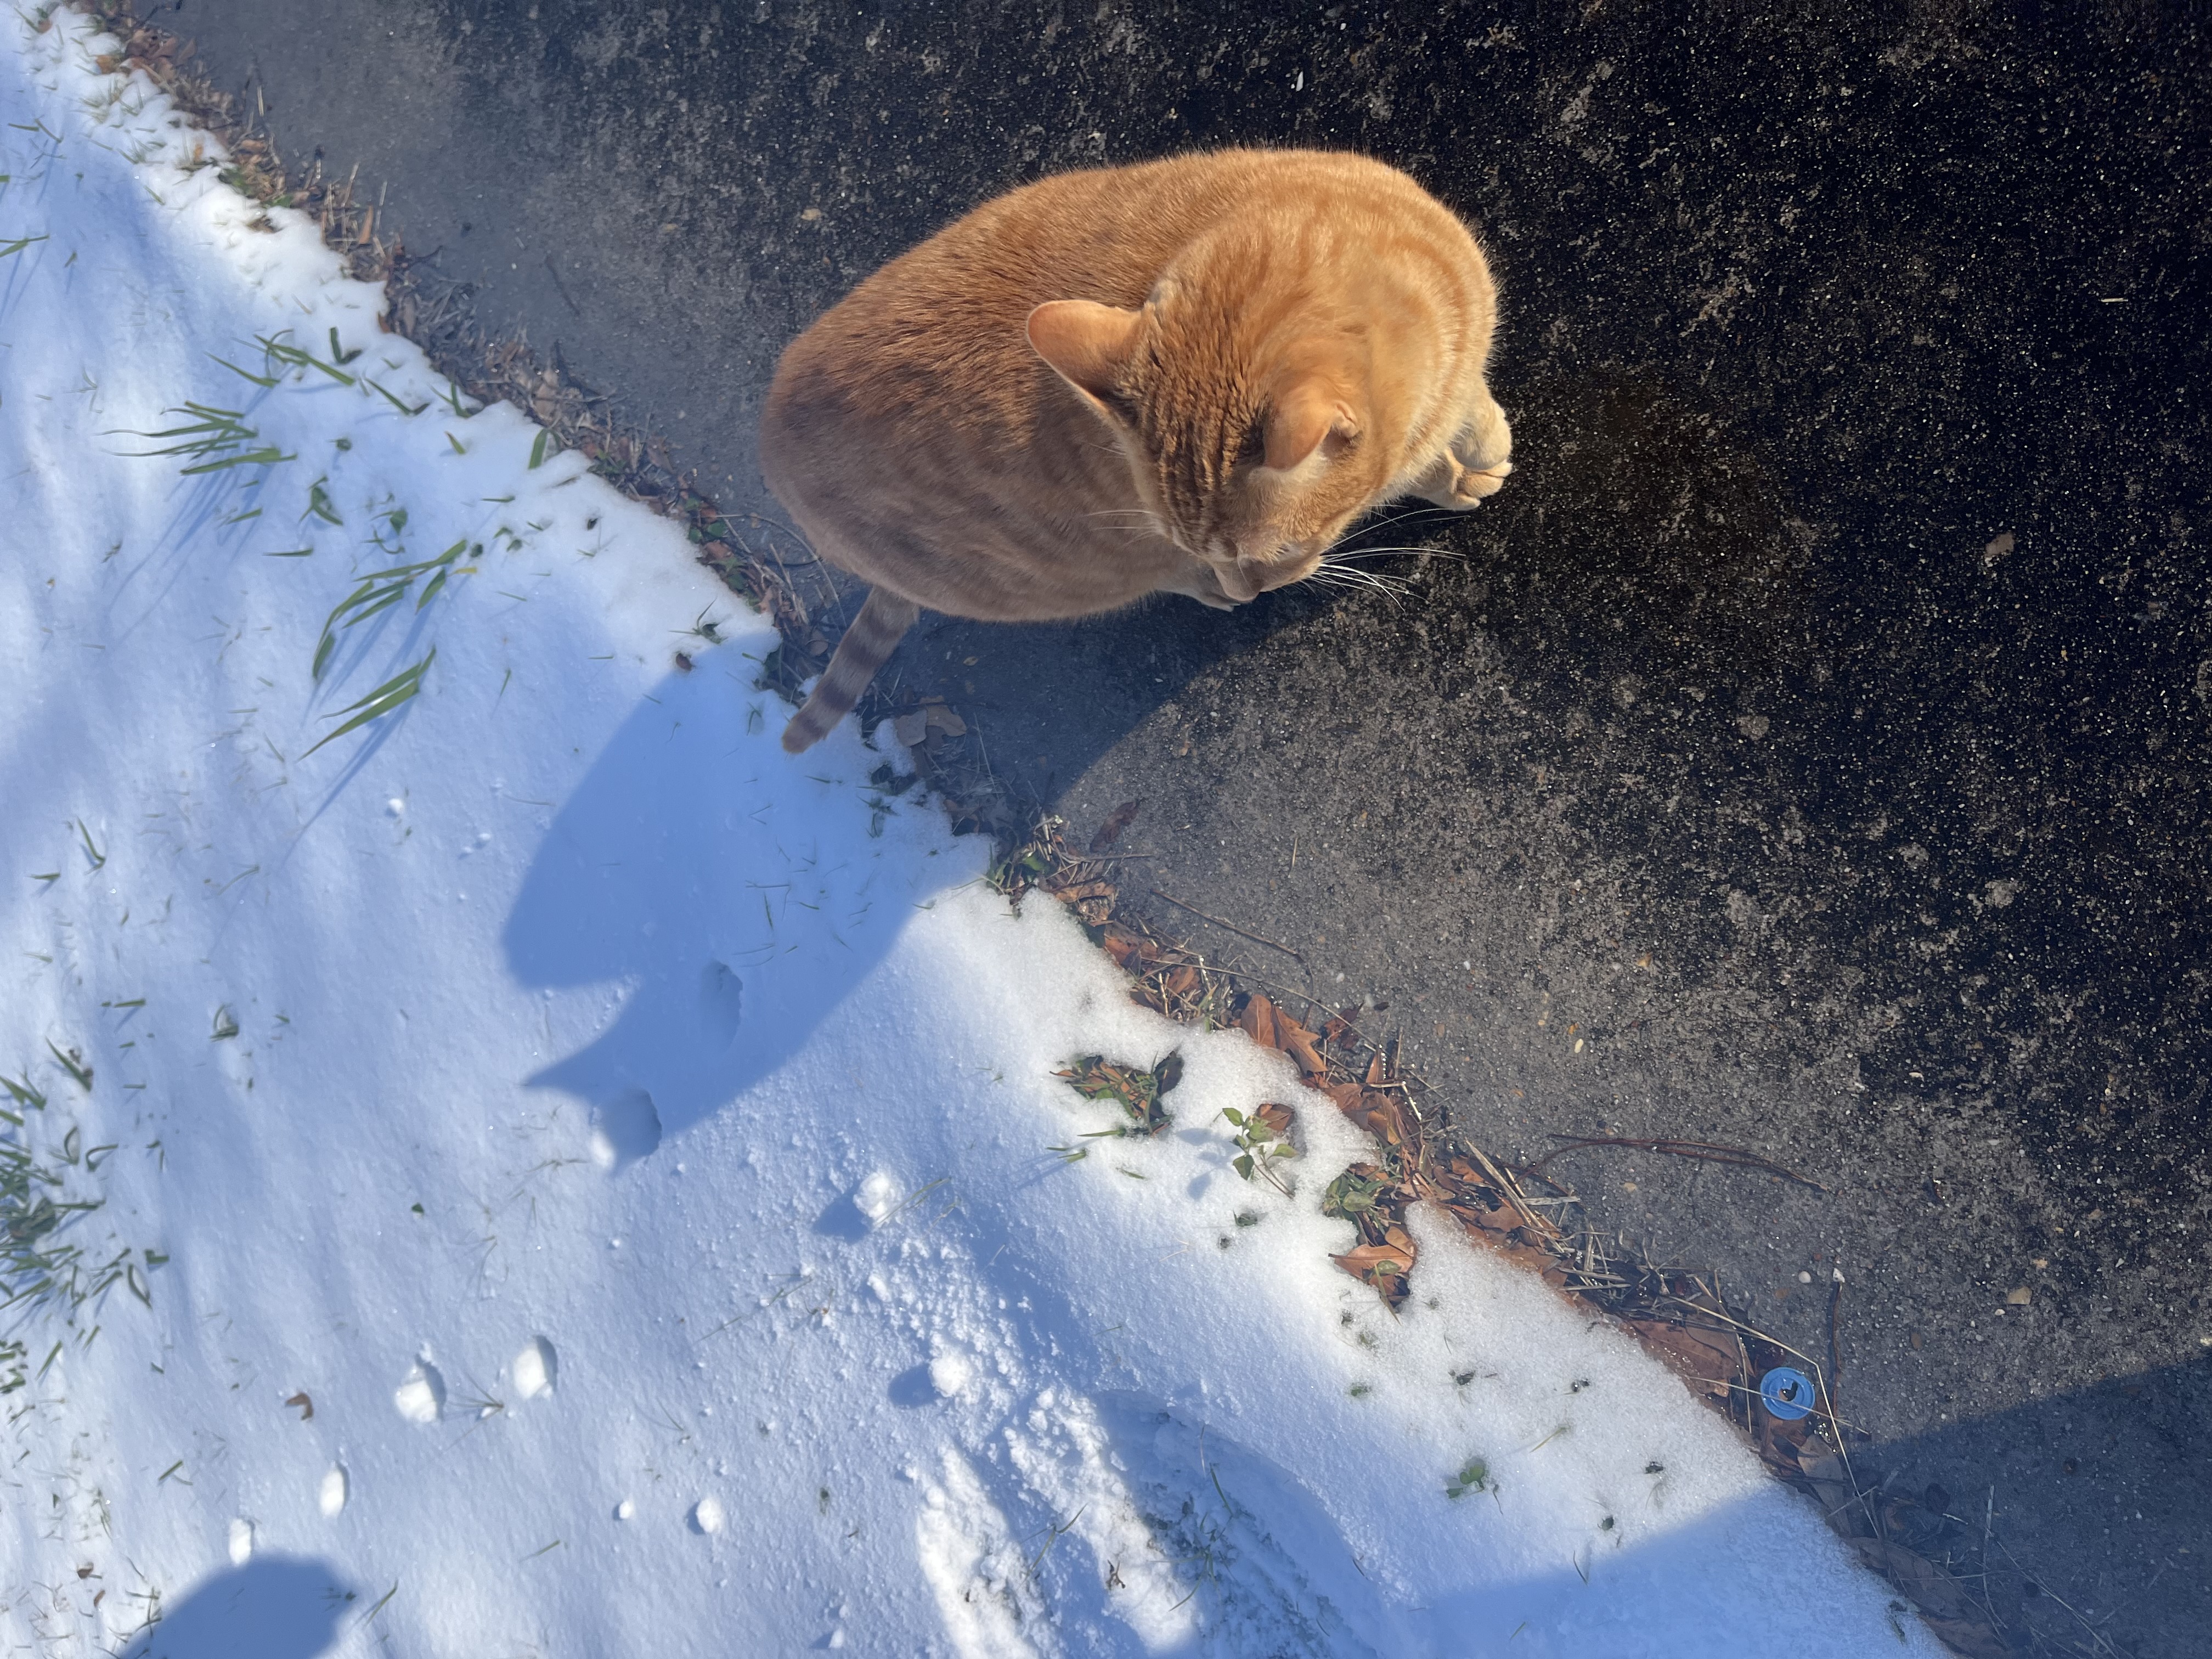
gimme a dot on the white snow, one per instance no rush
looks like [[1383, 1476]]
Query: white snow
[[643, 1166]]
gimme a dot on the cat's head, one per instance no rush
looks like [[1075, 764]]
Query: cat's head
[[1246, 427]]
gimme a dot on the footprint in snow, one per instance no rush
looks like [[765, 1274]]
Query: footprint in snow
[[946, 1378], [851, 1216], [721, 1002], [421, 1397], [535, 1369], [624, 1129]]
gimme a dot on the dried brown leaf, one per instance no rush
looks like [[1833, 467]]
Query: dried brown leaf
[[1363, 1261], [1298, 1043], [1707, 1360], [1379, 1116], [1971, 1636], [1258, 1020], [1116, 821], [1472, 1213], [1934, 1591]]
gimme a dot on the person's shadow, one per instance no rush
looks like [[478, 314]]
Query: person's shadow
[[739, 897], [275, 1607]]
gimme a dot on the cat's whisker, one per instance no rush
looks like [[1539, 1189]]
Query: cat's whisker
[[1340, 577], [1357, 572], [1410, 513], [1336, 556]]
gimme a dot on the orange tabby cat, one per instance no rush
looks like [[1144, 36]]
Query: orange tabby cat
[[1185, 377]]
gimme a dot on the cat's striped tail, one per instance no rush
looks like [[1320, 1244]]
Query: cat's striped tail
[[874, 635]]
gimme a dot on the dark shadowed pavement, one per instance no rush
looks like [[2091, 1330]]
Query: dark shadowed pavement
[[1806, 753]]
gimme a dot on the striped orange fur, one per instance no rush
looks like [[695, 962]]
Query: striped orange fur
[[1188, 376], [874, 635]]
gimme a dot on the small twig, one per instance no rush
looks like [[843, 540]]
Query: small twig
[[1509, 1190], [1699, 1150], [1835, 1354], [1255, 938], [2103, 1646]]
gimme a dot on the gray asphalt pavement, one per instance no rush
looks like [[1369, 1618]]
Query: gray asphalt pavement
[[1806, 753]]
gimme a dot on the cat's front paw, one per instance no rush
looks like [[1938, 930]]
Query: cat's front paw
[[1474, 484], [1449, 484], [1486, 446]]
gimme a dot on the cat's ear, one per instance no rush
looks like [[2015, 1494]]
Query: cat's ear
[[1088, 345], [1308, 415]]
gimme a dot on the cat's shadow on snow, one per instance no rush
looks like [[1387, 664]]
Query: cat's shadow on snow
[[726, 898], [275, 1607], [663, 872]]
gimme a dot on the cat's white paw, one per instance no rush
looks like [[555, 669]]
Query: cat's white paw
[[1476, 484], [1462, 490], [1483, 454]]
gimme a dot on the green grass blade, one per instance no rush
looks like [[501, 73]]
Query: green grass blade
[[394, 401], [382, 700], [82, 1074], [294, 357], [266, 456], [384, 599], [258, 380], [375, 593]]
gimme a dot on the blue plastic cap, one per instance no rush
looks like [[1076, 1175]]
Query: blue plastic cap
[[1787, 1393]]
